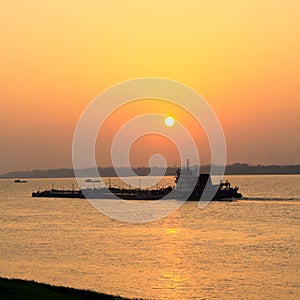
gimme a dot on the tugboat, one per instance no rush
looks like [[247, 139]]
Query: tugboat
[[224, 191]]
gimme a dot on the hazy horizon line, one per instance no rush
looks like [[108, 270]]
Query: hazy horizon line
[[235, 167]]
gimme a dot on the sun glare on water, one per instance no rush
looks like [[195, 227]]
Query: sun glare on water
[[169, 121]]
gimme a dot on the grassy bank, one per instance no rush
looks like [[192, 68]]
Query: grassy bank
[[18, 289]]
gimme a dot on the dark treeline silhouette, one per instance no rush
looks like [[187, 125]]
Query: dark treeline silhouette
[[234, 169], [245, 169]]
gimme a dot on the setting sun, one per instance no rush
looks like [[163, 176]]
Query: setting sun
[[169, 121]]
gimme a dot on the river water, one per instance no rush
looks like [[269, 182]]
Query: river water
[[247, 249]]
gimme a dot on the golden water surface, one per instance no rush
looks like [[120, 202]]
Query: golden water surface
[[239, 250]]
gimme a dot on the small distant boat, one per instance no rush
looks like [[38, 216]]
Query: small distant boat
[[20, 181], [91, 180]]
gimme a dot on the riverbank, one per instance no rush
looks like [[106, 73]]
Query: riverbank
[[18, 289]]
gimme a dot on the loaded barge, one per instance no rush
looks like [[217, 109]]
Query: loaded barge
[[224, 191]]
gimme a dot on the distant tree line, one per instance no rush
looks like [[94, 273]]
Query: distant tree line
[[245, 169], [234, 169]]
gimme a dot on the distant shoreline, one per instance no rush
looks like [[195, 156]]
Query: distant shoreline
[[234, 169]]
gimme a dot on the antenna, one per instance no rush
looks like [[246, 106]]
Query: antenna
[[188, 164]]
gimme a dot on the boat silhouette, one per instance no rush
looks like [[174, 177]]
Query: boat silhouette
[[185, 186], [92, 180], [20, 181]]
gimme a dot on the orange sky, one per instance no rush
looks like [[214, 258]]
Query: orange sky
[[56, 56]]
